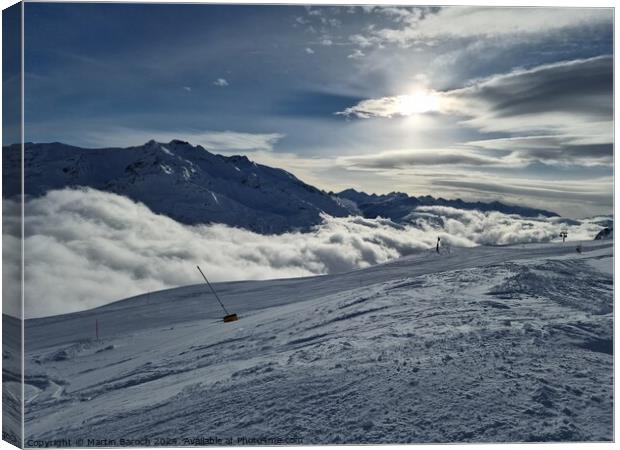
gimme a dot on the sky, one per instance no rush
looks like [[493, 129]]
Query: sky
[[509, 104]]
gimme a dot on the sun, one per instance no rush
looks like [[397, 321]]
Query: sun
[[417, 103]]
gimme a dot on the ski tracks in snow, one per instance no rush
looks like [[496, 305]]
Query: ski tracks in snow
[[511, 351]]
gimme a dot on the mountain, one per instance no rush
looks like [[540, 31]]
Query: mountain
[[486, 344], [605, 233], [193, 186], [184, 182], [397, 205]]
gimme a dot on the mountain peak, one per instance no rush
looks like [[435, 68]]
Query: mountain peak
[[179, 142], [189, 186], [199, 187]]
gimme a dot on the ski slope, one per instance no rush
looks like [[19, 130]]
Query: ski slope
[[484, 344]]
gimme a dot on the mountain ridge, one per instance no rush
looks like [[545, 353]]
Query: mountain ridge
[[194, 186], [184, 182], [398, 205]]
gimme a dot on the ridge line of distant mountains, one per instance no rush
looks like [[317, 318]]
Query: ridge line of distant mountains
[[193, 186]]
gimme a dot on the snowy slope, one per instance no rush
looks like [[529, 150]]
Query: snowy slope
[[484, 344], [186, 183]]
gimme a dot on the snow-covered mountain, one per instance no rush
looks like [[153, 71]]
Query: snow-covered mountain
[[605, 233], [193, 186], [184, 182], [484, 344], [398, 206]]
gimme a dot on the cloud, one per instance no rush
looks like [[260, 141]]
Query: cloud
[[596, 192], [320, 17], [309, 51], [494, 228], [569, 149], [357, 53], [401, 14], [187, 88], [580, 88], [85, 248], [361, 41], [336, 23], [559, 96], [221, 82], [217, 141], [504, 153], [420, 25], [384, 107], [423, 157], [233, 140], [561, 112]]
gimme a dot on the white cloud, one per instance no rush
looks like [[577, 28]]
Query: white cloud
[[562, 96], [357, 53], [85, 248], [321, 17], [558, 149], [418, 25], [234, 140], [361, 41], [217, 141], [187, 88], [398, 159], [400, 14], [221, 82], [494, 228], [560, 112], [386, 107], [309, 51]]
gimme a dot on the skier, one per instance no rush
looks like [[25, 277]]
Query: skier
[[437, 248]]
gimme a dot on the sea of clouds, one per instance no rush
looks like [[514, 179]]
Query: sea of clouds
[[85, 248]]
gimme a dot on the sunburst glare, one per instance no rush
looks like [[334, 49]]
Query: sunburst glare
[[418, 103]]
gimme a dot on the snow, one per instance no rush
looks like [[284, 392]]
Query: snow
[[167, 169], [485, 344], [166, 151], [251, 196], [605, 265], [173, 179]]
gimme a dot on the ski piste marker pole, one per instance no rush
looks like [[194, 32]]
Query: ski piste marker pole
[[213, 290]]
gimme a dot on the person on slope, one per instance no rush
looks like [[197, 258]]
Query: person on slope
[[437, 248]]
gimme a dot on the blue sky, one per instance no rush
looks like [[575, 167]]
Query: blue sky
[[477, 103]]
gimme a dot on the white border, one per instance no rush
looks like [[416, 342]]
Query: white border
[[514, 3]]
